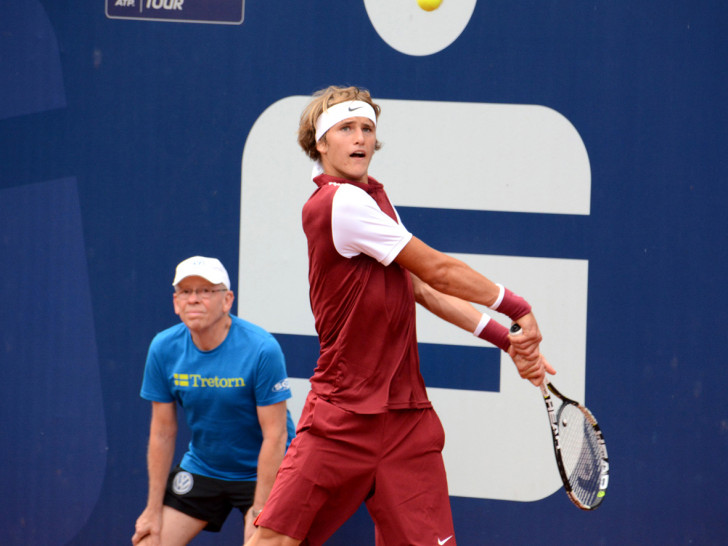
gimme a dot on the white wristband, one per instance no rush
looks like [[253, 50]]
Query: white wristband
[[484, 320], [499, 299]]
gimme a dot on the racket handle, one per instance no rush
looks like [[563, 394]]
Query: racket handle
[[516, 329]]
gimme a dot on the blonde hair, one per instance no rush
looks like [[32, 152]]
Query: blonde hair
[[322, 100]]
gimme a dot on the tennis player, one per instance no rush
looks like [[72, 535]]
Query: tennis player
[[368, 432]]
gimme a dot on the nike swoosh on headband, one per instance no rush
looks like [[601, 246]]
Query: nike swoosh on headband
[[341, 111]]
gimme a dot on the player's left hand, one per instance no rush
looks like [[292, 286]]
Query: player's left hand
[[534, 370]]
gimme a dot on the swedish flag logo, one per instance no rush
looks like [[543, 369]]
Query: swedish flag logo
[[182, 380]]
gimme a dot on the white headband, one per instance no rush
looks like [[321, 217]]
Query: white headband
[[340, 112]]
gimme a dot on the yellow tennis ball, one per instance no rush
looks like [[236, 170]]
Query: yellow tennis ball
[[429, 5]]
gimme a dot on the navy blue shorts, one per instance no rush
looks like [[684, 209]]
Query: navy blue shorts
[[208, 499]]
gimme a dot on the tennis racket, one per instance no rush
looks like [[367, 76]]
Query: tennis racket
[[581, 454]]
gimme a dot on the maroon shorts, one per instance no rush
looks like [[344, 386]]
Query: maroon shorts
[[392, 461]]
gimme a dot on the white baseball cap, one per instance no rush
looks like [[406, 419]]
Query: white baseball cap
[[210, 269]]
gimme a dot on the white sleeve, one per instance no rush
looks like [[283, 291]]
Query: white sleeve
[[359, 226]]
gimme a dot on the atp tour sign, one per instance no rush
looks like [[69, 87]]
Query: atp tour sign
[[183, 11]]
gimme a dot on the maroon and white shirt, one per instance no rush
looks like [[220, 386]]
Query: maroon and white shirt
[[362, 301]]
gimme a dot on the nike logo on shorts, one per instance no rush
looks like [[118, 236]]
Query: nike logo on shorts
[[441, 542]]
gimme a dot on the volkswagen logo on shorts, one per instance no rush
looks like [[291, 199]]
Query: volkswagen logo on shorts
[[183, 483]]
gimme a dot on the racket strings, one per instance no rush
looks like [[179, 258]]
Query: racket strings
[[580, 454]]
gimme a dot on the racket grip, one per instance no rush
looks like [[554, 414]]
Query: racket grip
[[516, 329]]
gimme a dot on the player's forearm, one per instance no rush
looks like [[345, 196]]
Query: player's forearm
[[447, 274], [458, 279], [449, 308]]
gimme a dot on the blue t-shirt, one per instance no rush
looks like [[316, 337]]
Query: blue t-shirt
[[219, 391]]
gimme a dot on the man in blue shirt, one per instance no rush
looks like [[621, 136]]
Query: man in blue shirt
[[230, 377]]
